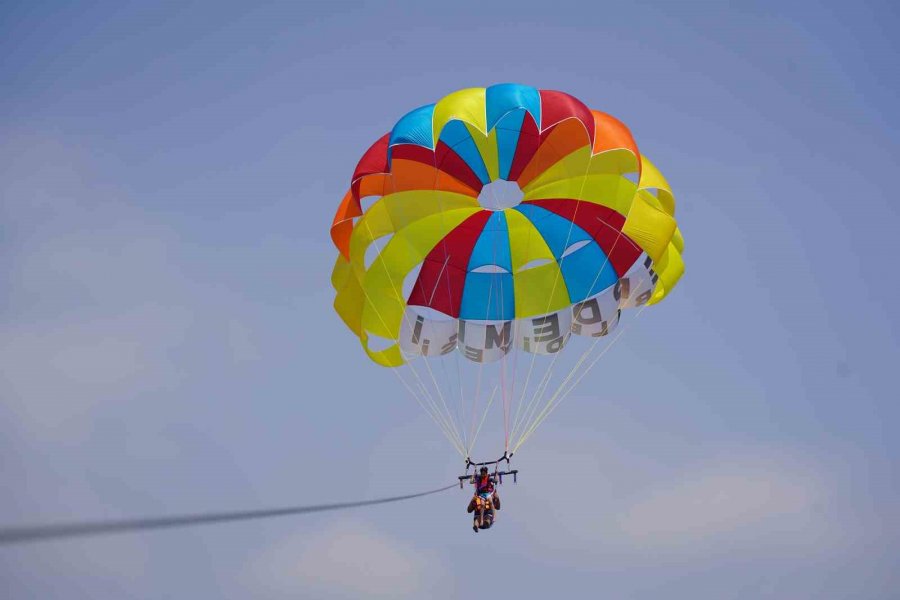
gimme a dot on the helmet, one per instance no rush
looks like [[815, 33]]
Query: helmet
[[484, 470]]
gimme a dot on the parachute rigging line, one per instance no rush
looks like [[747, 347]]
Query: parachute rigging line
[[452, 433]]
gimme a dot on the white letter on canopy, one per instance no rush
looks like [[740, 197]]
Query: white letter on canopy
[[545, 334], [596, 316], [485, 341], [424, 336]]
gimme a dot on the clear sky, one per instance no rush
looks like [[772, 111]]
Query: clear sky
[[168, 174]]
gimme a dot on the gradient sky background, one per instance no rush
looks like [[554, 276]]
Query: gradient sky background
[[168, 174]]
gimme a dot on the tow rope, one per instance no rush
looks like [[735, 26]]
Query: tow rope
[[33, 533]]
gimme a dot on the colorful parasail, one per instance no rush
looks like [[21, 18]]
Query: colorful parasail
[[496, 222]]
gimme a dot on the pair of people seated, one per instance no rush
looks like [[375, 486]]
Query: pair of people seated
[[485, 501]]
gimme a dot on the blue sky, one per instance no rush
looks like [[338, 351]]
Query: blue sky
[[168, 173]]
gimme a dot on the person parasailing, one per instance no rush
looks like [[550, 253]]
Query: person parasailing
[[485, 501]]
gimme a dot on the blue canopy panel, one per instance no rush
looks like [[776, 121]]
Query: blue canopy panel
[[457, 136], [489, 296], [508, 129], [492, 246], [506, 105], [586, 270], [502, 98], [414, 128]]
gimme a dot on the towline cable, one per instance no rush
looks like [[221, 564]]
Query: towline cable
[[34, 533]]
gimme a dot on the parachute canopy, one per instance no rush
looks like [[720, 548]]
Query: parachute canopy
[[497, 219]]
